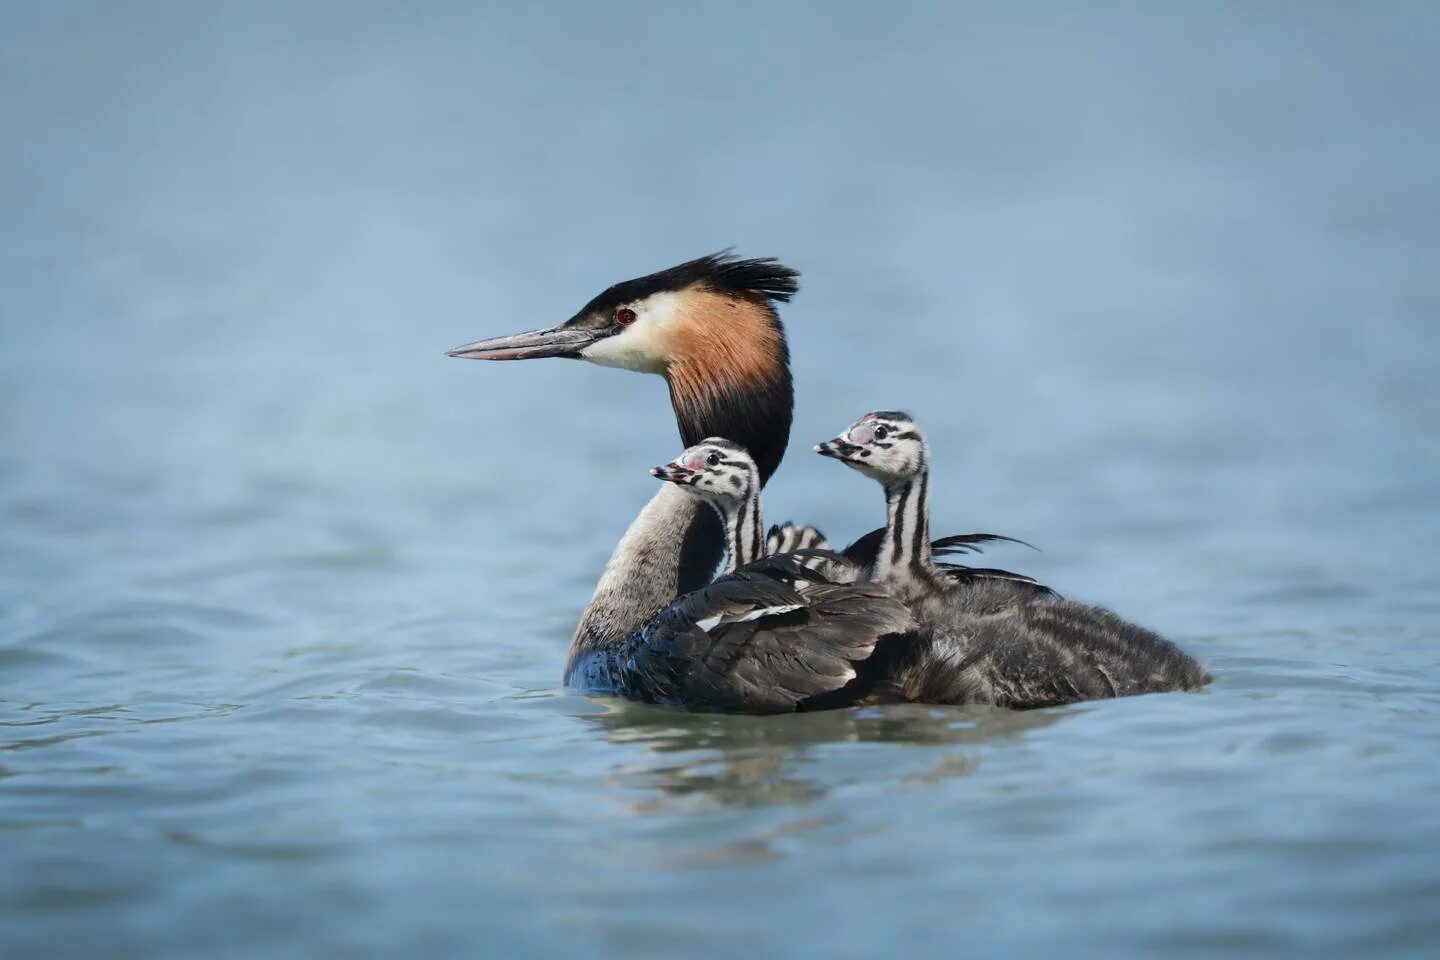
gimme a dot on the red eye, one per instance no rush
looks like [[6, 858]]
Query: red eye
[[624, 316]]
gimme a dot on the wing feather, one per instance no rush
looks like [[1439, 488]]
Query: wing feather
[[750, 643]]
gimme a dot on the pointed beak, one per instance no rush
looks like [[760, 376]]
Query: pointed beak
[[672, 472], [839, 449], [550, 342]]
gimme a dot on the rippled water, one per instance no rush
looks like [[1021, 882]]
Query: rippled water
[[285, 594]]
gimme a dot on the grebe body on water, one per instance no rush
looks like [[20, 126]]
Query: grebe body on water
[[710, 328]]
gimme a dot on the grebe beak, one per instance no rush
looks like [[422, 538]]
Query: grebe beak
[[551, 342], [839, 449], [672, 472]]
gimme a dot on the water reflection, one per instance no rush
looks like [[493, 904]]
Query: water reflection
[[739, 762]]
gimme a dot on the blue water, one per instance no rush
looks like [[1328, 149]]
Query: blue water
[[285, 594]]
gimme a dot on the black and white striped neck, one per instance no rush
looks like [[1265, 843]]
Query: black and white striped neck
[[905, 550], [744, 532]]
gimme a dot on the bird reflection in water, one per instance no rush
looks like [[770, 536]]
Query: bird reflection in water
[[722, 761]]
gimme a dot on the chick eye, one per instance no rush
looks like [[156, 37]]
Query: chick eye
[[881, 432], [713, 459], [624, 316]]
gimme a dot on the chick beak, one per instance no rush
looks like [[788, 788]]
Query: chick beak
[[839, 449], [672, 472]]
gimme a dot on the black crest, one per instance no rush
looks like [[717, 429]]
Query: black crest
[[765, 278]]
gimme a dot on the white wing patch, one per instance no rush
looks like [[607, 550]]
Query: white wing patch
[[714, 620]]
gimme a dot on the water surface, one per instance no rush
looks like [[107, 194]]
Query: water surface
[[285, 594]]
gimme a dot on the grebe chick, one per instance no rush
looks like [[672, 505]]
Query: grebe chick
[[889, 447], [722, 474], [988, 640]]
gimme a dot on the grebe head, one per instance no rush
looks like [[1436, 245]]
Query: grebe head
[[715, 470], [885, 445], [708, 326], [694, 311]]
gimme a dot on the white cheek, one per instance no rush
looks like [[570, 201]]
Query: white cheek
[[644, 345], [629, 350], [659, 312]]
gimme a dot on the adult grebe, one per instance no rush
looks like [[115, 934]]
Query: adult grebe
[[708, 327], [991, 641]]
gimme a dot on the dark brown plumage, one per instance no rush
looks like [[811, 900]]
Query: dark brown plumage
[[772, 637]]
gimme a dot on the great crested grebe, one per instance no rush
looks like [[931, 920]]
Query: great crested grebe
[[775, 635], [709, 327], [991, 641]]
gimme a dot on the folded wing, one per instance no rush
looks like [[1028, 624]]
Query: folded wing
[[765, 639]]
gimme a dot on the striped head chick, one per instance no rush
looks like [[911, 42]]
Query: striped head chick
[[888, 447], [724, 475], [885, 445]]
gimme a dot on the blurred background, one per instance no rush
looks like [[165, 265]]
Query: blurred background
[[285, 593]]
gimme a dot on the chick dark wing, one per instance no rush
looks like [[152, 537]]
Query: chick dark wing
[[866, 550], [1026, 587], [969, 543]]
